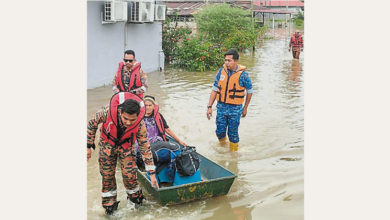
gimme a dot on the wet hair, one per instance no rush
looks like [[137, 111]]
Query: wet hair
[[130, 106], [130, 52], [233, 52]]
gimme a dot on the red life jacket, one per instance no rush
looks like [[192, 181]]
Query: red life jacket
[[135, 79], [296, 42], [109, 130], [159, 122]]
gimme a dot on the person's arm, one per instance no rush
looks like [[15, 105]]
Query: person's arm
[[213, 95], [246, 82], [99, 117], [144, 79], [172, 134], [289, 45], [302, 43], [144, 148], [114, 85], [144, 82], [247, 101]]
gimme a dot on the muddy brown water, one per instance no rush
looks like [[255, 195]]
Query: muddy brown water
[[270, 161]]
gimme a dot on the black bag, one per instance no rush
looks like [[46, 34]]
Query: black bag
[[187, 163]]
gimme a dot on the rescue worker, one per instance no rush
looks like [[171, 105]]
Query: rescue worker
[[296, 42], [229, 88], [122, 126], [129, 76], [156, 125]]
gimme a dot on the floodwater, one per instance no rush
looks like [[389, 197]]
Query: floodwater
[[270, 161]]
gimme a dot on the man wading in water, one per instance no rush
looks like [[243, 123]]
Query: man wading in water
[[129, 76], [123, 125], [296, 42], [229, 88]]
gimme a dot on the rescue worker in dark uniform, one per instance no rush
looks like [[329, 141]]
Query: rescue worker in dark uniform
[[129, 76], [123, 125], [229, 88], [296, 42]]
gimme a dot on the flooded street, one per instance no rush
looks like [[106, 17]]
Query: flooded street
[[270, 160]]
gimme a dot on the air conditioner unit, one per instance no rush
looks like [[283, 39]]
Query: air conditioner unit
[[141, 11], [159, 12], [114, 11]]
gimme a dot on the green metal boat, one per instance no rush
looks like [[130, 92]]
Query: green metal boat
[[216, 181]]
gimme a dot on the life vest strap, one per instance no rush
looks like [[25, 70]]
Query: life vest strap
[[236, 96], [236, 90]]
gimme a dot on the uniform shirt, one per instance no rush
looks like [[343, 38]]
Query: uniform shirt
[[142, 139], [244, 81]]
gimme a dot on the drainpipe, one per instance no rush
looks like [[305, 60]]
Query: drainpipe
[[125, 37], [161, 60]]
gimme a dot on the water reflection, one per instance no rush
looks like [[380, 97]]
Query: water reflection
[[226, 209], [269, 162], [295, 70]]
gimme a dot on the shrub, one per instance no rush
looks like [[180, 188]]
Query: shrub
[[220, 27], [171, 36], [198, 54]]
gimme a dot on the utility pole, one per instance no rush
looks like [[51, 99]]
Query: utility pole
[[286, 10], [253, 19]]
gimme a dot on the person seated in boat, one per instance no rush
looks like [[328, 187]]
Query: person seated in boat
[[157, 128]]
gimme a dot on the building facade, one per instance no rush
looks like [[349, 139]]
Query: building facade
[[106, 41]]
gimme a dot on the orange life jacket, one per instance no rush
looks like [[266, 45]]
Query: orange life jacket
[[109, 130], [135, 79], [296, 42], [229, 89], [159, 122]]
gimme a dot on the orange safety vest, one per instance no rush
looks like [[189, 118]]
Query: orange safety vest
[[229, 89], [109, 130]]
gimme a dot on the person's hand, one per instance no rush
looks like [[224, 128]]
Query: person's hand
[[209, 113], [116, 90], [244, 111], [89, 153], [182, 143], [154, 180]]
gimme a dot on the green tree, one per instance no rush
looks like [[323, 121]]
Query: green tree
[[220, 27], [299, 20], [220, 21]]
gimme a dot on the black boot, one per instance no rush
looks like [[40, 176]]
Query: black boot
[[110, 209], [136, 198]]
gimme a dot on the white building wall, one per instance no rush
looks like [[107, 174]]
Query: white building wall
[[107, 42]]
